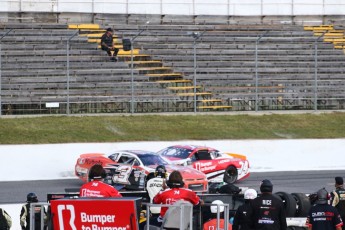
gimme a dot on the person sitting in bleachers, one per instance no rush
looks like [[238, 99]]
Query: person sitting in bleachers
[[107, 44]]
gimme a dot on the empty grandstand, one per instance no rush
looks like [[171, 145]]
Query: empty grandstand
[[53, 64]]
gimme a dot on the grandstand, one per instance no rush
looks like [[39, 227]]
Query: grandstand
[[237, 64]]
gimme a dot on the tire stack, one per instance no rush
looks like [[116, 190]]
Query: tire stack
[[297, 206]]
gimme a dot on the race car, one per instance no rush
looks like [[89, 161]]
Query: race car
[[131, 169], [218, 167]]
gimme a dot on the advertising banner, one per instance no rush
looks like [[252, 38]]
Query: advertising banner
[[94, 214]]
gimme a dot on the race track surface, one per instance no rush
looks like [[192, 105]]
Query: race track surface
[[291, 182]]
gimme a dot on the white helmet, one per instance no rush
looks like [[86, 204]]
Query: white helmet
[[250, 194], [214, 207]]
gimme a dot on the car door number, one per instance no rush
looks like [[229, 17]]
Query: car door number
[[244, 168], [122, 174]]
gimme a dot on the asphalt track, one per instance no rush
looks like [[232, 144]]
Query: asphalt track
[[291, 182]]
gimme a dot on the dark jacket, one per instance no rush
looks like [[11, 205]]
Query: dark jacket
[[5, 220], [323, 217], [268, 213], [25, 217], [338, 200], [243, 216]]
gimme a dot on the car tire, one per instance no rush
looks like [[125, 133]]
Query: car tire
[[230, 174], [289, 203], [303, 204]]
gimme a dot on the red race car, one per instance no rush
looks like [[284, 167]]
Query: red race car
[[227, 167], [131, 168]]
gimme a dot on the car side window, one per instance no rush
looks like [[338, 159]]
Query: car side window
[[195, 157], [114, 156], [204, 155], [136, 163]]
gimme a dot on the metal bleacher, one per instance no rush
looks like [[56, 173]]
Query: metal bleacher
[[229, 75]]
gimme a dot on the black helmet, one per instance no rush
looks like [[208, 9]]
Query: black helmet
[[161, 171], [322, 196], [31, 197]]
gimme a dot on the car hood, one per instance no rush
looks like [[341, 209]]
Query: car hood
[[187, 171]]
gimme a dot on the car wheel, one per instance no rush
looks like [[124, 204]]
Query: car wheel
[[303, 204], [289, 203], [230, 174]]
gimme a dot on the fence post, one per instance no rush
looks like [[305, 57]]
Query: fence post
[[256, 70], [67, 66], [315, 71], [1, 69], [196, 36]]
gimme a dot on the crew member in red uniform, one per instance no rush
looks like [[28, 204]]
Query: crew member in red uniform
[[212, 224], [96, 187], [174, 193]]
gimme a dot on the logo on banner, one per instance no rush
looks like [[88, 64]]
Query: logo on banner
[[69, 208]]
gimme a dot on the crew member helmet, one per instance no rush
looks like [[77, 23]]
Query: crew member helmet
[[161, 171], [31, 197]]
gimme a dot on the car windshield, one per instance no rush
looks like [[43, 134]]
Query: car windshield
[[152, 159], [181, 153]]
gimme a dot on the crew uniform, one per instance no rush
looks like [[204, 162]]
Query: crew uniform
[[323, 216], [212, 224], [171, 195], [338, 198], [243, 215], [268, 210], [25, 213], [155, 185], [5, 220], [174, 193], [96, 187]]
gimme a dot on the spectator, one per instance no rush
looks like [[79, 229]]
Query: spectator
[[25, 213], [243, 215], [268, 210], [96, 187], [323, 216], [107, 44], [174, 193], [213, 222], [338, 197], [5, 220]]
